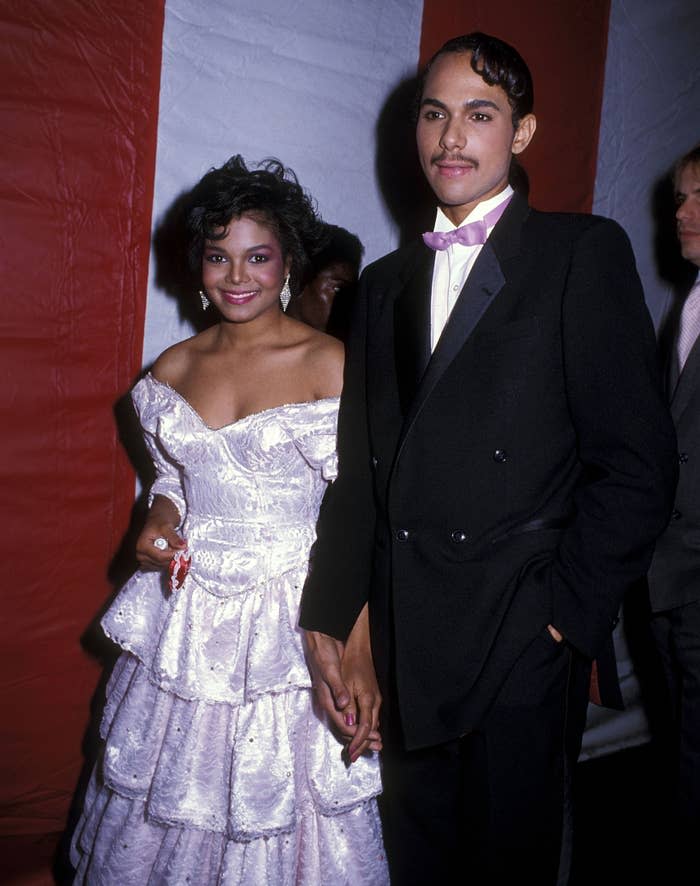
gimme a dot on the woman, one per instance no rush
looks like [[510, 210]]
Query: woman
[[215, 768]]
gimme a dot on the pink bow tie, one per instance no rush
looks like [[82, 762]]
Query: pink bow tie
[[472, 234]]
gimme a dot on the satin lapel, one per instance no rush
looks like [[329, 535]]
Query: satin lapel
[[484, 283], [412, 327]]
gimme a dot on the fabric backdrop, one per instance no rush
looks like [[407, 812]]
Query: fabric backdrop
[[93, 281]]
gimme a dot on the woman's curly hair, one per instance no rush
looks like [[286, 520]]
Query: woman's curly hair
[[271, 193]]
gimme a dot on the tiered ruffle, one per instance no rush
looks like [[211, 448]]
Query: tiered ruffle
[[215, 767]]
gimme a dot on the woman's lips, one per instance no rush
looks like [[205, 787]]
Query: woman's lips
[[239, 298]]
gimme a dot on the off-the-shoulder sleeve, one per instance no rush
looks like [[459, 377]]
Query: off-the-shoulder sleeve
[[149, 401], [315, 435]]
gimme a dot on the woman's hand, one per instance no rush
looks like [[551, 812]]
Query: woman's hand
[[162, 519]]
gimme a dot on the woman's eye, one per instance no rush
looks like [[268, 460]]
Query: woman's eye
[[258, 259], [214, 258]]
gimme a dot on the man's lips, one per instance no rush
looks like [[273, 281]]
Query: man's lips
[[453, 168]]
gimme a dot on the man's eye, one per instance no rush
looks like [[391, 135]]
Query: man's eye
[[433, 115]]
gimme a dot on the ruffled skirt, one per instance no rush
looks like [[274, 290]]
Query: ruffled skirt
[[216, 769]]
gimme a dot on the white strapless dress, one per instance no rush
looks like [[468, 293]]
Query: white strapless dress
[[216, 768]]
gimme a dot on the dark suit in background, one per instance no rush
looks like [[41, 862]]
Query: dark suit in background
[[674, 577]]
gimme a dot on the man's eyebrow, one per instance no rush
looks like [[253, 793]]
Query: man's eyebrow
[[433, 101], [470, 103], [481, 103]]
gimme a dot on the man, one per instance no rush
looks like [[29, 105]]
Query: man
[[674, 578], [506, 464], [329, 286]]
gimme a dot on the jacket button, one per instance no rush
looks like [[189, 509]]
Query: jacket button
[[500, 456], [402, 535], [676, 515], [459, 536], [682, 457]]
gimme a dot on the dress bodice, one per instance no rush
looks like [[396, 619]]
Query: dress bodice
[[256, 468]]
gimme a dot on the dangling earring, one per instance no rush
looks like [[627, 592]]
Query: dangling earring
[[285, 294], [205, 300]]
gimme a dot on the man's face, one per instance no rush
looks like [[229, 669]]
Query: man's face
[[465, 135], [688, 212]]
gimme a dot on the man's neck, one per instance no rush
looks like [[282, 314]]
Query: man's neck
[[443, 222]]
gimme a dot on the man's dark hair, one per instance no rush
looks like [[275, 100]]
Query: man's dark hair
[[340, 245], [498, 64], [269, 193]]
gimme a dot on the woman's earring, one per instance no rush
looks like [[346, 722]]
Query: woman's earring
[[205, 300], [285, 294]]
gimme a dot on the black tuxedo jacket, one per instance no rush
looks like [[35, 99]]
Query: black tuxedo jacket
[[517, 477], [674, 577]]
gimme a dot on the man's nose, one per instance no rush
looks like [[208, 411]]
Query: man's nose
[[454, 135]]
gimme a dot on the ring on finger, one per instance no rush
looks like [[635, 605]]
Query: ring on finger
[[160, 543]]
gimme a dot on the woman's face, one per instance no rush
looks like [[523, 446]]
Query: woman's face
[[243, 272]]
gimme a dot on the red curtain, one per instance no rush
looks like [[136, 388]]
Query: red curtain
[[80, 82], [564, 45]]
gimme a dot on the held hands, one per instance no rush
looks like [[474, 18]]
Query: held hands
[[346, 686]]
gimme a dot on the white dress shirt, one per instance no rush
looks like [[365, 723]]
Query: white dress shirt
[[452, 265]]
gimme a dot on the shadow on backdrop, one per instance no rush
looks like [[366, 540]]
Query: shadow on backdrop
[[173, 276]]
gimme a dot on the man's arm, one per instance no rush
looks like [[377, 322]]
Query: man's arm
[[334, 608], [337, 586], [625, 437]]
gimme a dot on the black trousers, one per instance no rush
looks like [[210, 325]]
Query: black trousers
[[491, 807], [677, 635]]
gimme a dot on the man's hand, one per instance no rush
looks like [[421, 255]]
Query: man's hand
[[357, 667], [555, 633], [323, 655], [346, 686]]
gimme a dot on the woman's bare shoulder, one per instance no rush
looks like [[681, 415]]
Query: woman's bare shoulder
[[176, 361], [325, 360]]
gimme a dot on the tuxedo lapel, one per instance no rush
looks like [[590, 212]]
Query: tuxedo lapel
[[485, 281], [412, 328]]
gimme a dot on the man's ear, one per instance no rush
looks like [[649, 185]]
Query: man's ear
[[523, 134]]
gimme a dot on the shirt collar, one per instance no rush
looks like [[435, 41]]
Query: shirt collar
[[442, 222]]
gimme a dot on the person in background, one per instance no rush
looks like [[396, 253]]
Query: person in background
[[329, 285], [674, 576], [506, 464], [216, 769]]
